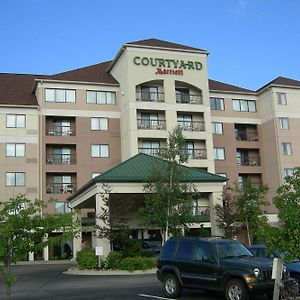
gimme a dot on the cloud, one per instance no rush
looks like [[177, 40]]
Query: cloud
[[240, 8]]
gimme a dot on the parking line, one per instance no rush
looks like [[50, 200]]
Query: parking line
[[154, 297]]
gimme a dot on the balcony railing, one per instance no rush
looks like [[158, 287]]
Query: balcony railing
[[150, 151], [196, 153], [60, 130], [190, 153], [201, 214], [253, 184], [248, 161], [151, 124], [61, 188], [189, 98], [61, 159], [246, 136], [150, 96], [191, 125]]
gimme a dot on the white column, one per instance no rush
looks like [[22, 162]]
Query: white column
[[101, 242], [46, 249], [77, 240], [31, 256], [215, 198]]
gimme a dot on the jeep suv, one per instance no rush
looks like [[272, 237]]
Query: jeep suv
[[213, 264]]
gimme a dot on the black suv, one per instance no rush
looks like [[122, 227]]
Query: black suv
[[213, 264]]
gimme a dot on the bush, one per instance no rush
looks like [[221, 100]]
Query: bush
[[113, 260], [87, 259], [131, 248], [137, 263]]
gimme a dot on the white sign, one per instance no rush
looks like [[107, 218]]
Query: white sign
[[99, 251]]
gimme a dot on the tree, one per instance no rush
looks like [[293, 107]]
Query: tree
[[168, 199], [23, 229], [286, 237], [249, 202], [227, 214]]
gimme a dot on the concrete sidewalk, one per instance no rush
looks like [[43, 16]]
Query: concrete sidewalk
[[75, 271]]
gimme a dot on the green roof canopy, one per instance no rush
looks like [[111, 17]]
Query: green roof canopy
[[140, 167]]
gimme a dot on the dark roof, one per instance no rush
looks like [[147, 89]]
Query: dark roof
[[140, 167], [15, 89], [224, 87], [282, 81], [95, 73], [162, 44]]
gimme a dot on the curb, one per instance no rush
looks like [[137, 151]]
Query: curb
[[74, 271], [44, 262]]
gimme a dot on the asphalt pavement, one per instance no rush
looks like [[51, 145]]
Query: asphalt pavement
[[47, 281]]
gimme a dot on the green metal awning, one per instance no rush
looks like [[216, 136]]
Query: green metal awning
[[139, 169]]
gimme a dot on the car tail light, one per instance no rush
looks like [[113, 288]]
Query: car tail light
[[158, 264]]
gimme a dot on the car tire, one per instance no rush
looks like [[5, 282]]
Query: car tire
[[171, 286], [236, 290]]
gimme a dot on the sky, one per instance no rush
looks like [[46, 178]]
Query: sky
[[250, 42]]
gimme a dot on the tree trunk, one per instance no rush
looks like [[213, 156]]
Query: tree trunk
[[248, 233]]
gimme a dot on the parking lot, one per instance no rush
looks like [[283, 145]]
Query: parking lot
[[41, 281]]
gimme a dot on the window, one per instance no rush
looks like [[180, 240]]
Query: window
[[286, 148], [185, 122], [284, 123], [62, 184], [99, 151], [288, 172], [15, 179], [151, 147], [149, 120], [99, 124], [149, 93], [62, 208], [97, 97], [243, 105], [182, 95], [217, 103], [15, 150], [202, 249], [185, 250], [219, 153], [15, 121], [60, 95], [281, 98], [217, 127]]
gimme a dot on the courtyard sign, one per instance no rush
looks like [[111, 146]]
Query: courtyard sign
[[167, 66]]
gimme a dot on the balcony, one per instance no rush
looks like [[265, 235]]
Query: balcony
[[201, 214], [196, 153], [191, 125], [158, 124], [248, 161], [150, 151], [61, 188], [61, 159], [188, 98], [246, 136], [150, 96], [60, 130]]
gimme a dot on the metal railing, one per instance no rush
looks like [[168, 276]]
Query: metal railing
[[61, 188], [158, 124], [196, 153], [150, 96], [201, 214], [150, 151], [60, 130], [189, 98], [248, 161], [191, 125], [61, 159], [246, 136]]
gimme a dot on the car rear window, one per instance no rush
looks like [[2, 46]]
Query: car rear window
[[168, 249]]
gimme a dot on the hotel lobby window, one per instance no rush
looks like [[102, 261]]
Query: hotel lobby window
[[99, 97], [60, 95]]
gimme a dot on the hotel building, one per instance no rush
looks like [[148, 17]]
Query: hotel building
[[59, 131]]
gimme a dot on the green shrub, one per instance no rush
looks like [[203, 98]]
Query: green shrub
[[137, 263], [113, 260], [87, 259], [131, 248]]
